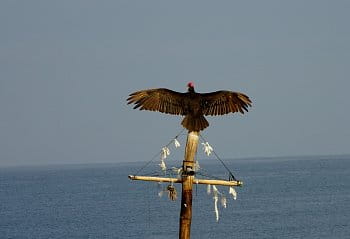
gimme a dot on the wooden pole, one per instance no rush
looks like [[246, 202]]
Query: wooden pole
[[187, 182]]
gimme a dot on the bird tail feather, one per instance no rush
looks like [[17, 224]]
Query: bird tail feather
[[195, 123]]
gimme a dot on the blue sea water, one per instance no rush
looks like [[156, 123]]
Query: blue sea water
[[300, 197]]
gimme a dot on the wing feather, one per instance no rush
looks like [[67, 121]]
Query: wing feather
[[161, 99], [224, 102]]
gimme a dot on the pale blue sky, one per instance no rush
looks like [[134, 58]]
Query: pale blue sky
[[66, 68]]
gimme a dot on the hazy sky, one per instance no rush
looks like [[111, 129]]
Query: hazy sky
[[67, 67]]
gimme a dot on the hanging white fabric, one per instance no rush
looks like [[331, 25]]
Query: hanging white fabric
[[177, 143], [223, 201], [216, 198], [233, 192], [162, 165], [160, 189], [165, 152], [207, 148], [218, 195], [208, 189]]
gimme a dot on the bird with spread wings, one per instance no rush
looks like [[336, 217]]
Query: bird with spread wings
[[191, 104]]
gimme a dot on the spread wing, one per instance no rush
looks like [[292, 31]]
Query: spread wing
[[224, 102], [162, 100]]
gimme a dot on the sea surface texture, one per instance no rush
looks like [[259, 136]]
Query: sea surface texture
[[297, 197]]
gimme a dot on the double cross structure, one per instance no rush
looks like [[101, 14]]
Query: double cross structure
[[187, 180]]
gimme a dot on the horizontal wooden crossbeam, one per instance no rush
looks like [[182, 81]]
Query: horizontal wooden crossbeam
[[155, 179], [179, 180]]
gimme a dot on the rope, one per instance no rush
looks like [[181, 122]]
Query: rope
[[157, 155], [231, 176], [170, 171]]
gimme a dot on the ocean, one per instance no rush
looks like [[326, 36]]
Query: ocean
[[289, 197]]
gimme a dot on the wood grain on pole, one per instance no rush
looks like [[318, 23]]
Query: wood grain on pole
[[187, 182]]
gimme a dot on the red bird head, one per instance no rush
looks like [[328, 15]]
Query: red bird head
[[190, 86]]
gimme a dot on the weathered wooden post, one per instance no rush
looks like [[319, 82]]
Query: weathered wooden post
[[187, 182]]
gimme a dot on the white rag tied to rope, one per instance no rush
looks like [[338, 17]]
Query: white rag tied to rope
[[216, 193], [177, 143], [165, 152], [207, 148]]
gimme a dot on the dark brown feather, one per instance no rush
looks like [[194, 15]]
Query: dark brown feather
[[224, 102], [162, 100]]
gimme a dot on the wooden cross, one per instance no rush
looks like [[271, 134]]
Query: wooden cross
[[187, 180]]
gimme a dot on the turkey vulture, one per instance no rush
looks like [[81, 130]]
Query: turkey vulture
[[191, 104]]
